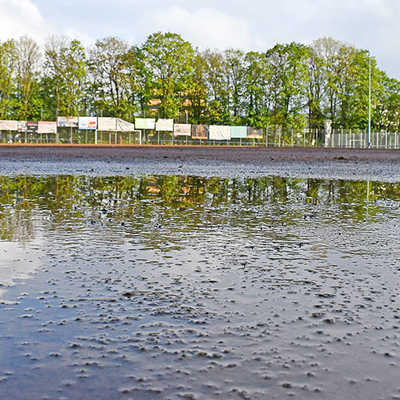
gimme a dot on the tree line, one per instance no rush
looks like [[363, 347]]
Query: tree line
[[290, 86]]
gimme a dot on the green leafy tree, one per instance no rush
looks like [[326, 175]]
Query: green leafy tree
[[170, 62], [217, 107], [289, 79], [235, 73], [256, 90], [195, 105], [315, 90], [7, 74], [353, 93], [65, 76], [137, 78], [110, 77], [27, 78], [344, 83], [386, 108]]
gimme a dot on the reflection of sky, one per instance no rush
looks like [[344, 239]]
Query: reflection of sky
[[161, 210], [16, 262]]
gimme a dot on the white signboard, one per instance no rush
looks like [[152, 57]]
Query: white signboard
[[89, 123], [165, 125], [21, 126], [219, 132], [107, 124], [8, 125], [110, 124], [47, 127], [67, 122], [145, 123], [182, 130], [125, 126]]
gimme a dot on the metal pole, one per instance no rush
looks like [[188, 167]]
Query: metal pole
[[57, 136], [369, 100], [95, 132]]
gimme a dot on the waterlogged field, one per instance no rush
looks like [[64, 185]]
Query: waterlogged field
[[165, 287]]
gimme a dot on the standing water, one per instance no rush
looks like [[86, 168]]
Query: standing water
[[166, 287]]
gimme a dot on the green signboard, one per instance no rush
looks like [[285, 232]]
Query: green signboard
[[145, 123]]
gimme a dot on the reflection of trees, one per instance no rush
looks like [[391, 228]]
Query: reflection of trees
[[17, 223], [172, 204]]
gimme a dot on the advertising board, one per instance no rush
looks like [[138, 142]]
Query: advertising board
[[87, 123], [182, 129], [145, 123], [219, 132]]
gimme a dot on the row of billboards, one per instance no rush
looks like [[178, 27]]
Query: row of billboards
[[108, 124], [29, 126], [84, 123], [206, 132]]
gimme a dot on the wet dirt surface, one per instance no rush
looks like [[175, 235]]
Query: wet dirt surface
[[353, 164], [115, 284], [185, 287]]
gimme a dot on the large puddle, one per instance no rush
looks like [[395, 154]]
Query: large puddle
[[166, 287]]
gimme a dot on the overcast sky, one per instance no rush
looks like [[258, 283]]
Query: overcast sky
[[244, 24]]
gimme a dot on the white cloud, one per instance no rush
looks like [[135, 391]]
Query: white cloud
[[21, 17], [204, 27], [244, 24]]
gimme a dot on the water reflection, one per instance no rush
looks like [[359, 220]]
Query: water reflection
[[182, 202], [186, 287], [17, 262]]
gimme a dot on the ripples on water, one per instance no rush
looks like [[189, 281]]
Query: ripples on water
[[190, 288]]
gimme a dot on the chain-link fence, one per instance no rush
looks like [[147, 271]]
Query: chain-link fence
[[70, 136], [269, 138], [362, 140]]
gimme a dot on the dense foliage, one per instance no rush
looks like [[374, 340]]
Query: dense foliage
[[288, 86]]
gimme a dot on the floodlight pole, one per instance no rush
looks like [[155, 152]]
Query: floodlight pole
[[95, 132], [369, 100]]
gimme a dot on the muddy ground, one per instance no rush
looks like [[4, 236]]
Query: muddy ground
[[244, 289], [381, 165]]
